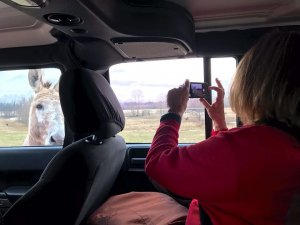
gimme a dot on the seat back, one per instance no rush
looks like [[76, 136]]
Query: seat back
[[79, 178], [106, 163]]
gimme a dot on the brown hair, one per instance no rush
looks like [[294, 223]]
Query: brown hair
[[266, 86]]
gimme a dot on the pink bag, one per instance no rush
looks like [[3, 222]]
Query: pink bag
[[147, 208]]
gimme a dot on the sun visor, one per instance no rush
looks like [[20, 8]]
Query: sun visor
[[152, 48]]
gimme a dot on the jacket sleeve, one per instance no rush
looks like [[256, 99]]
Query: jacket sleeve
[[206, 170]]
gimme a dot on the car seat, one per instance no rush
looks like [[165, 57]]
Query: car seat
[[79, 178]]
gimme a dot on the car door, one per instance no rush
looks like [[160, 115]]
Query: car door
[[31, 128]]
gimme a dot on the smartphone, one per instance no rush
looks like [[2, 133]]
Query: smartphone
[[198, 90]]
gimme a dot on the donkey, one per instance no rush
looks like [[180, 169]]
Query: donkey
[[46, 122]]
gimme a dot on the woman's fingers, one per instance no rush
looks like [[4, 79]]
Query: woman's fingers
[[219, 83], [220, 86], [205, 103], [219, 90], [187, 84], [186, 88], [177, 98]]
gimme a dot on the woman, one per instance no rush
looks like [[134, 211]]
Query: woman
[[246, 175]]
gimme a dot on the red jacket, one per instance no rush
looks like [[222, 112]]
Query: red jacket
[[246, 175]]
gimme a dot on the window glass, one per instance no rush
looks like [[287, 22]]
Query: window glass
[[223, 69], [141, 88], [30, 112]]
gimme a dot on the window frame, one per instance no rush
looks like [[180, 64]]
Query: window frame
[[57, 66], [207, 78]]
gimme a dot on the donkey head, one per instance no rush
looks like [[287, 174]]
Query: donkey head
[[46, 122]]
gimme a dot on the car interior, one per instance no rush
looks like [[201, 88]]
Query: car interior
[[84, 39]]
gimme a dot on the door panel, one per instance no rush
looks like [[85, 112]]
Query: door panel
[[132, 176], [20, 169]]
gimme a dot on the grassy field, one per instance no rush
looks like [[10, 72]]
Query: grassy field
[[12, 133], [142, 130], [138, 129]]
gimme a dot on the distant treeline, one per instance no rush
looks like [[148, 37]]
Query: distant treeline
[[136, 109], [143, 105], [19, 109], [193, 103], [16, 109]]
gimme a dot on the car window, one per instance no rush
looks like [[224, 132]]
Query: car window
[[223, 69], [30, 111], [142, 87]]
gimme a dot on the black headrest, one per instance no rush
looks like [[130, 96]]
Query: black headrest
[[89, 104]]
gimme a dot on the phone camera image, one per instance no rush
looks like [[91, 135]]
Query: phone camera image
[[198, 90]]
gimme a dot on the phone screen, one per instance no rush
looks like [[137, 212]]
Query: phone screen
[[198, 90]]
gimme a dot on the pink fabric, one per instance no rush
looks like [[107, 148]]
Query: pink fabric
[[193, 214], [145, 208]]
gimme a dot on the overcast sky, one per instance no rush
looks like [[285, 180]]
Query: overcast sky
[[14, 84], [153, 78]]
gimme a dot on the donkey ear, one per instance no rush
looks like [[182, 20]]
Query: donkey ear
[[56, 87], [35, 78]]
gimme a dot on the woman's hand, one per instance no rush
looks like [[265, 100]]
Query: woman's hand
[[177, 98], [216, 109]]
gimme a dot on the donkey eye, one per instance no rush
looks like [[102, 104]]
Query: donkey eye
[[39, 106]]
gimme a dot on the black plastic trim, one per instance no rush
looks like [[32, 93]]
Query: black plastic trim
[[26, 158]]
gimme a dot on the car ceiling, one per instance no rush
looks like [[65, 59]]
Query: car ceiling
[[19, 29], [240, 14], [106, 32]]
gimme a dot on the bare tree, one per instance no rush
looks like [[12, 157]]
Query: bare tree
[[138, 96], [23, 110], [162, 103]]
